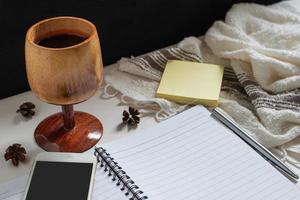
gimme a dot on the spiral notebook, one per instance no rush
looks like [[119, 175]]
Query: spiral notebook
[[190, 156]]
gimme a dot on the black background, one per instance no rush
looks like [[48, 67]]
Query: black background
[[125, 27]]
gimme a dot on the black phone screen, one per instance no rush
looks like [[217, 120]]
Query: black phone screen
[[60, 181]]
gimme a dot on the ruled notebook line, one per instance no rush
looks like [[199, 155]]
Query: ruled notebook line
[[159, 138], [179, 152], [175, 138], [192, 156]]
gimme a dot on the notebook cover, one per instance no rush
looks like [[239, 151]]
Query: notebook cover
[[191, 83]]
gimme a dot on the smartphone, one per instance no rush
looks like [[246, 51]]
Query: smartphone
[[61, 176]]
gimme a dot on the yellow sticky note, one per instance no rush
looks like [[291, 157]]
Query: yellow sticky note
[[191, 83]]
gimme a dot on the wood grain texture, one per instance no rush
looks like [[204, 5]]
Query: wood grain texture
[[67, 75], [51, 135], [68, 116]]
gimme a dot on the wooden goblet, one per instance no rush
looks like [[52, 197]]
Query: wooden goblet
[[65, 75]]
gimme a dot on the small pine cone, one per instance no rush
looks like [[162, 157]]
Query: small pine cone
[[26, 109], [132, 117], [15, 153]]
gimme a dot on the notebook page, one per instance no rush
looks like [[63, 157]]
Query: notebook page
[[105, 188], [193, 156]]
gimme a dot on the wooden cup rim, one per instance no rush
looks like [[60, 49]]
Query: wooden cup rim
[[90, 36]]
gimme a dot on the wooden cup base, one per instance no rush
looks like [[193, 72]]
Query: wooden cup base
[[51, 135]]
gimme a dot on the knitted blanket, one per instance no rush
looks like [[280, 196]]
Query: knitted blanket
[[259, 47]]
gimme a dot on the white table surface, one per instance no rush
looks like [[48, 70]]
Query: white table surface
[[14, 128]]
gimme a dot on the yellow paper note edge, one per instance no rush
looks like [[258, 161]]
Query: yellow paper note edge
[[189, 100]]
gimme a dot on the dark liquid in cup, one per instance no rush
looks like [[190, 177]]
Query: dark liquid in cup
[[61, 41]]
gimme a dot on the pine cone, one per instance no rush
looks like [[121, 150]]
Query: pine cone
[[26, 109], [15, 153], [132, 117]]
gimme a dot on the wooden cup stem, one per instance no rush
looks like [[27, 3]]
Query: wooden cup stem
[[68, 116]]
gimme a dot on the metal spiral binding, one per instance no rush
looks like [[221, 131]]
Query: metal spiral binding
[[123, 180]]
